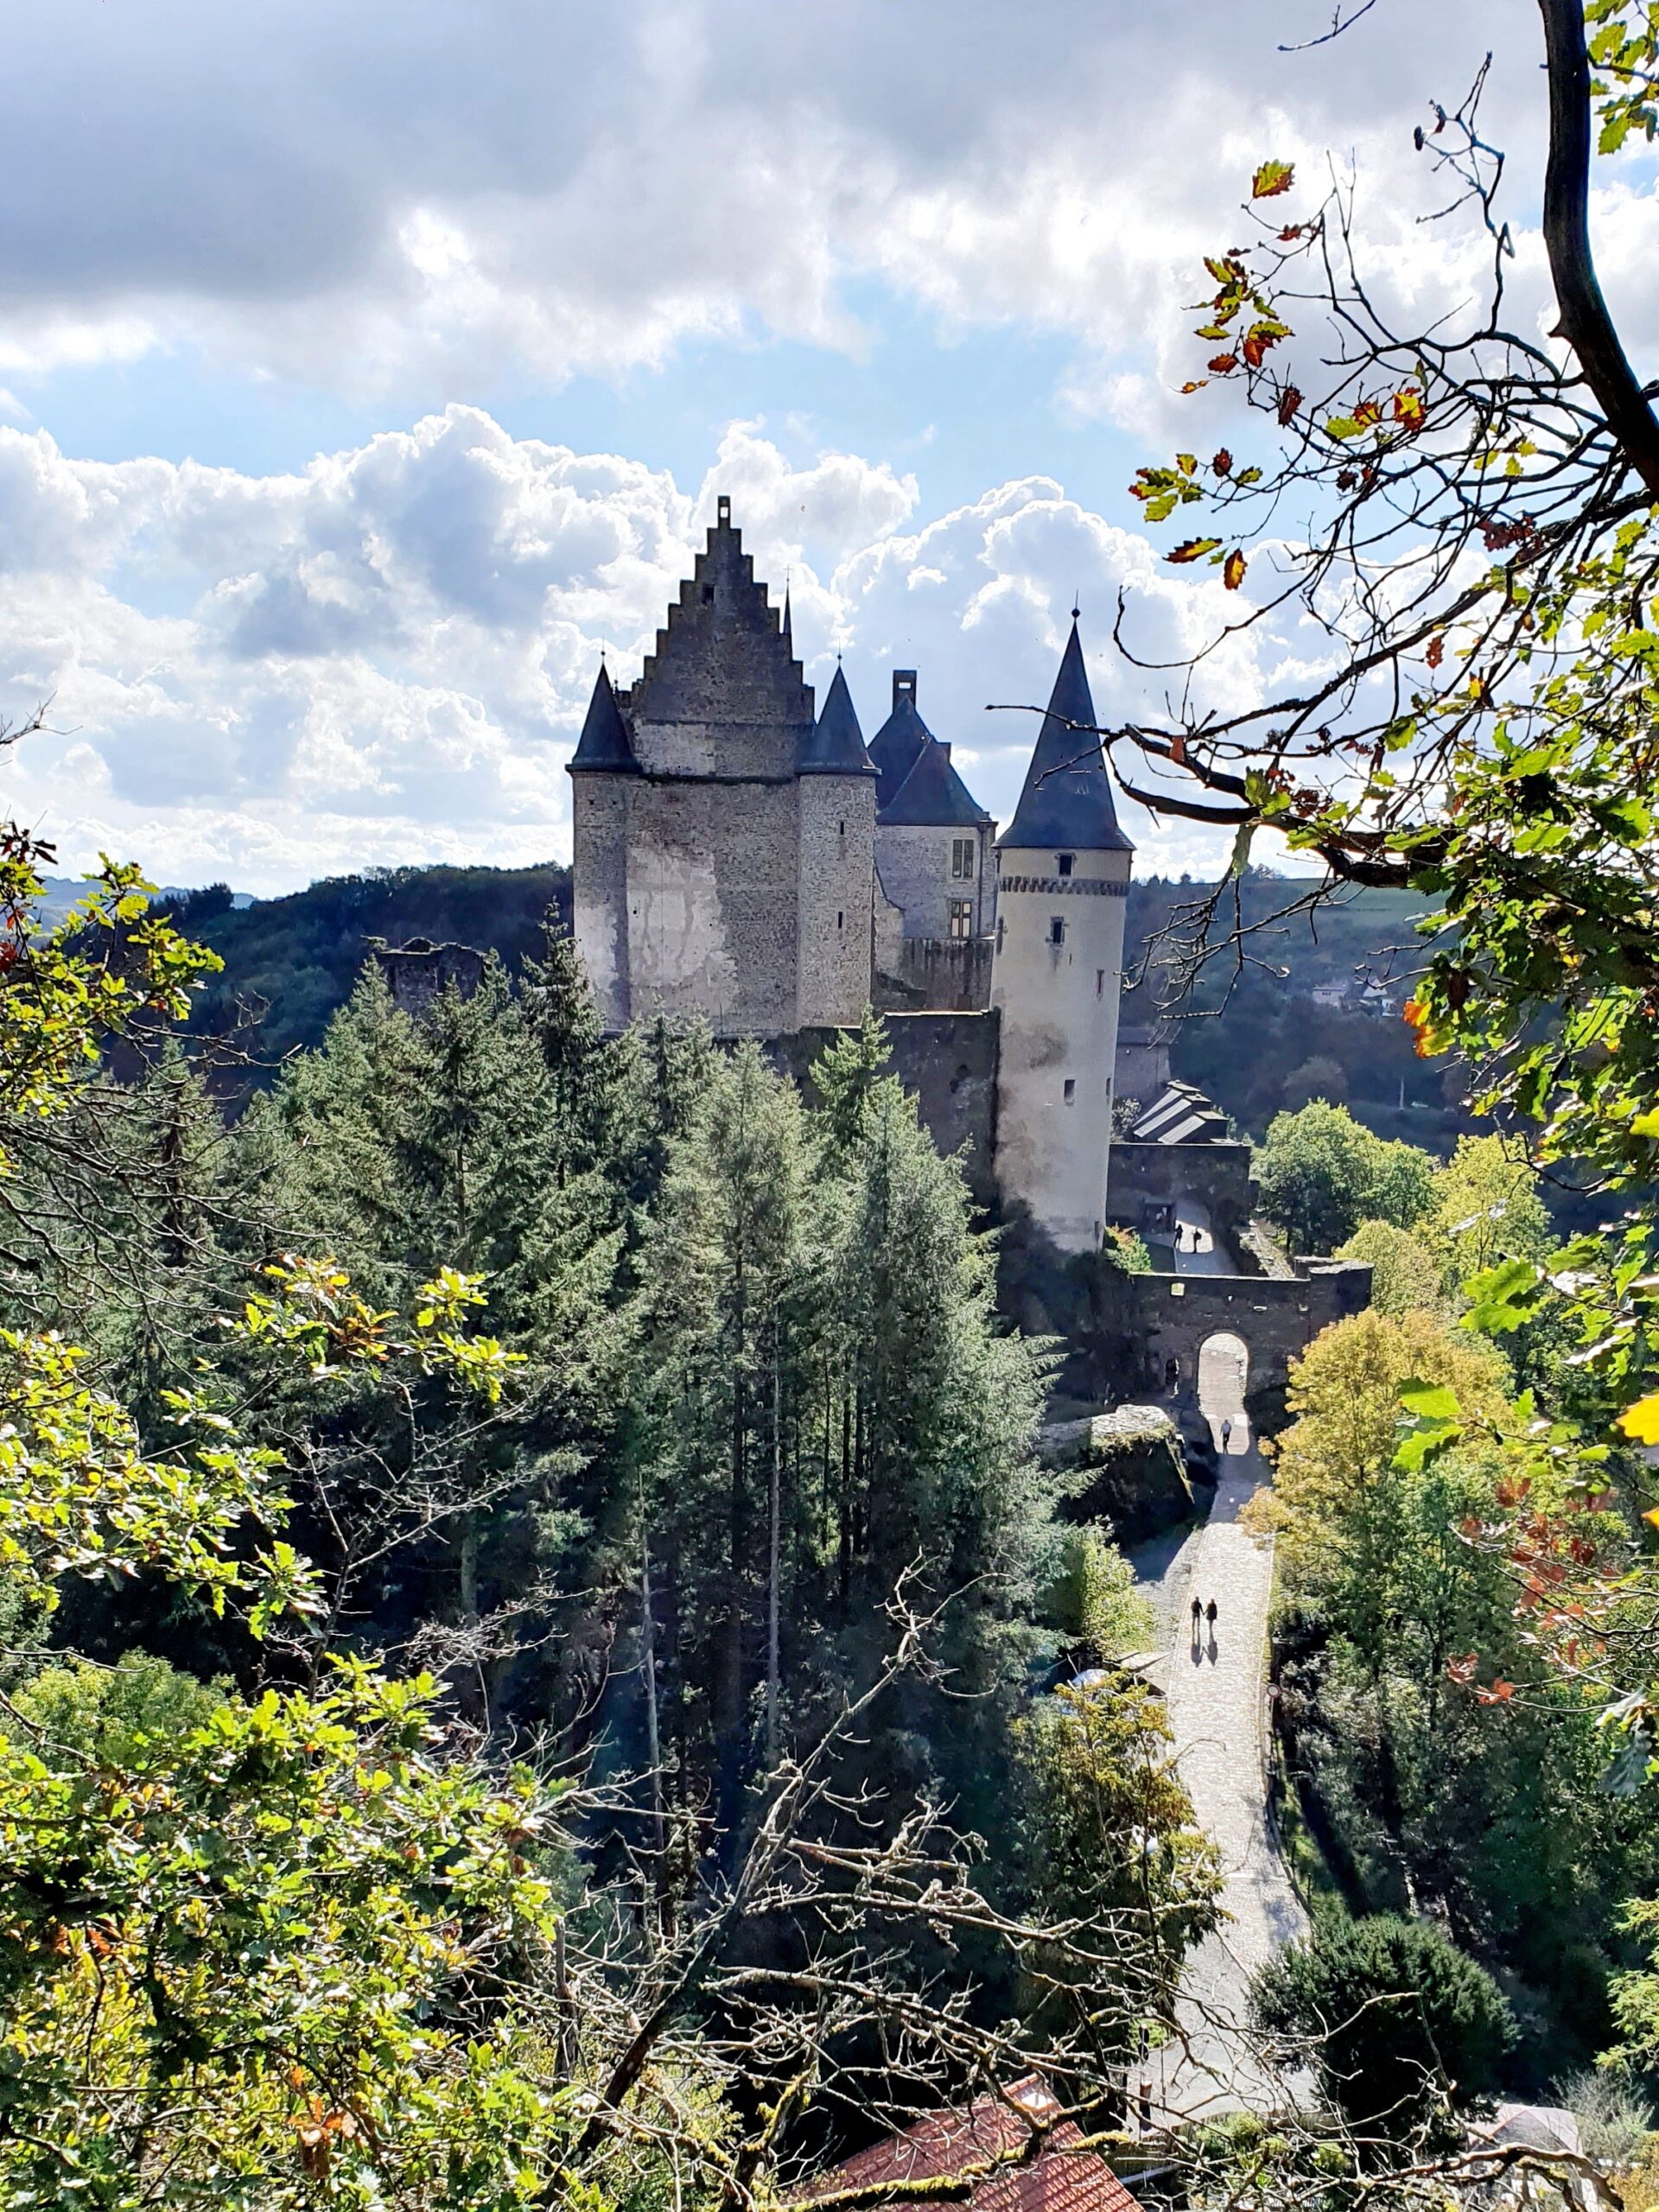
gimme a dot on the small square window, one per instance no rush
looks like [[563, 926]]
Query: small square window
[[1066, 860], [1071, 1089], [1056, 929], [962, 917]]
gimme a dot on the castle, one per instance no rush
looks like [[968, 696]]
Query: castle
[[740, 858]]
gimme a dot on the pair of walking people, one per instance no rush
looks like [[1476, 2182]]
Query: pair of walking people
[[1201, 1612]]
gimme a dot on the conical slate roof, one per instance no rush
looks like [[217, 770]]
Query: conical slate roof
[[1067, 799], [901, 739], [604, 744], [834, 746], [933, 796]]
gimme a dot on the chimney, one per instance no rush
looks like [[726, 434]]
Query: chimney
[[903, 685], [722, 512]]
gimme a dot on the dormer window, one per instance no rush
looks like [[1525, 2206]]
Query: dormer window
[[1064, 862]]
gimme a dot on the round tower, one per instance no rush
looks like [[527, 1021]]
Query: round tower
[[835, 798], [1063, 878]]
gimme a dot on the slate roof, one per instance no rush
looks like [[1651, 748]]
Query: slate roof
[[834, 746], [723, 655], [1181, 1115], [604, 744], [1060, 2179], [1067, 800], [901, 739], [932, 796]]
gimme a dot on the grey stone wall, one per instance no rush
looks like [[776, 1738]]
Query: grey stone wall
[[835, 844], [937, 974], [712, 886], [721, 695], [1145, 1178], [1142, 1063], [1175, 1314], [599, 884], [416, 973], [948, 1060], [915, 865]]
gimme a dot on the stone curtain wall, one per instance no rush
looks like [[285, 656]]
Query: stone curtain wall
[[948, 1060], [938, 975], [1147, 1177], [1175, 1314]]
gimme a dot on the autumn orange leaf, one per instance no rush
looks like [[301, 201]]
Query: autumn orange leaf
[[1232, 574], [1271, 179], [1192, 548], [1224, 365], [1223, 463], [1289, 400], [1436, 652]]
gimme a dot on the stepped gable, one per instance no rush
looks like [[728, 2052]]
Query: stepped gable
[[836, 745], [933, 796], [900, 742], [1067, 799], [722, 659], [603, 745]]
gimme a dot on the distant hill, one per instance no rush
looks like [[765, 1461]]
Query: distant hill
[[1328, 1025], [300, 956], [1313, 1011]]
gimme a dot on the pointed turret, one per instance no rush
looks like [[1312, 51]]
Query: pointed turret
[[603, 745], [901, 739], [789, 627], [836, 745], [1067, 799]]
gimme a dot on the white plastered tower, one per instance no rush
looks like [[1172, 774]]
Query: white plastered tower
[[1063, 879]]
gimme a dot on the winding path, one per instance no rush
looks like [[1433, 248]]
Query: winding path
[[1214, 1692]]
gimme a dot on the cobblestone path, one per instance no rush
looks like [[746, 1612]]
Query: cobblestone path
[[1213, 1687]]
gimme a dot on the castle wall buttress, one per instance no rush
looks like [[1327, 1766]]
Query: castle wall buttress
[[599, 890], [836, 887]]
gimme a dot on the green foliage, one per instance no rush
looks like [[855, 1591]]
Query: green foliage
[[1405, 1272], [1401, 2023], [1457, 1771], [1109, 1838], [111, 1716], [66, 991], [79, 1495], [1321, 1174], [1487, 1209], [294, 961], [1096, 1598], [1636, 1994], [1127, 1252], [281, 1940]]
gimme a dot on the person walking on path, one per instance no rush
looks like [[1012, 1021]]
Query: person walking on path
[[1198, 1616], [1209, 1614], [1226, 1435]]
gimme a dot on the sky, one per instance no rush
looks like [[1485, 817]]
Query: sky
[[365, 371]]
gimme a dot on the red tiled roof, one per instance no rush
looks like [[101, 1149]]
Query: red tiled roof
[[1059, 2179]]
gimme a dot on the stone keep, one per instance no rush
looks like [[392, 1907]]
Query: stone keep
[[723, 842], [1063, 879]]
